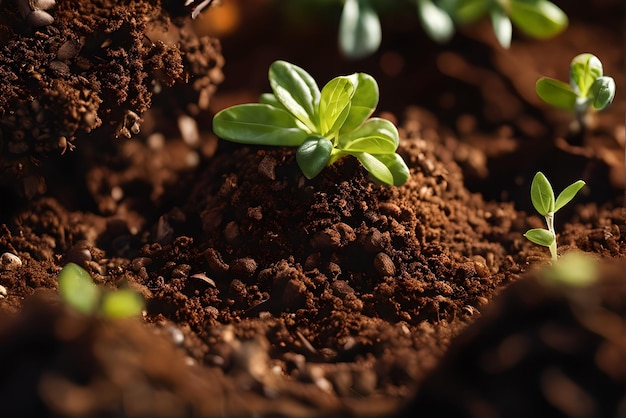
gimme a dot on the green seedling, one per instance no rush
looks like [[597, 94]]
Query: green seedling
[[588, 87], [79, 291], [325, 125], [542, 196], [360, 27]]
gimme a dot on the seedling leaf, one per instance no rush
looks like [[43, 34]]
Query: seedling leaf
[[258, 124], [77, 288], [376, 167], [468, 11], [542, 195], [335, 104], [568, 194], [376, 135], [122, 303], [584, 70], [313, 155], [296, 90], [537, 18], [360, 31], [602, 92], [436, 22], [364, 101], [540, 236], [502, 27], [396, 166], [556, 93]]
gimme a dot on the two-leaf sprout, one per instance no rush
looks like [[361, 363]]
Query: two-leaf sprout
[[543, 200], [79, 291], [325, 125], [588, 87]]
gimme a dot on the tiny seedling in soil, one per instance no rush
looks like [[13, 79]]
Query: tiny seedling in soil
[[542, 196], [79, 291], [588, 87], [325, 125]]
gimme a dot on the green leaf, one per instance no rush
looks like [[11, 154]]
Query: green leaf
[[568, 194], [363, 102], [396, 166], [375, 136], [270, 99], [122, 303], [335, 104], [360, 32], [258, 124], [584, 70], [437, 24], [297, 91], [313, 155], [542, 195], [574, 268], [537, 18], [468, 11], [602, 92], [556, 93], [77, 289], [540, 236], [377, 168], [502, 27]]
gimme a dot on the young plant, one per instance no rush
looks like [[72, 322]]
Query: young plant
[[79, 291], [325, 125], [588, 87], [542, 196]]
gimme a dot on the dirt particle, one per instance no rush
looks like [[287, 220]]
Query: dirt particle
[[244, 267], [231, 233], [214, 259], [337, 236], [267, 167], [384, 265]]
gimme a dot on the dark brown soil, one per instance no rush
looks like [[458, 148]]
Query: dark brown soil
[[272, 295]]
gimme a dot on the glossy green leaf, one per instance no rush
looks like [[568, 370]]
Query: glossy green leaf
[[258, 124], [568, 194], [556, 93], [502, 27], [77, 289], [537, 18], [584, 70], [122, 303], [297, 91], [540, 236], [360, 31], [363, 102], [313, 155], [541, 194], [396, 166], [435, 21], [335, 104], [376, 167], [602, 92], [375, 136]]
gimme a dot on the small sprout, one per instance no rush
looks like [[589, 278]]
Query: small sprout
[[588, 87], [79, 291], [325, 125], [542, 196]]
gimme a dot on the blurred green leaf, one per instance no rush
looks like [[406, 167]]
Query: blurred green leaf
[[122, 303], [537, 18], [502, 27], [556, 93], [584, 70], [77, 289], [436, 22], [602, 92], [360, 31]]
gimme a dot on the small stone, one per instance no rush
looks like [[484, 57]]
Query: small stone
[[3, 291], [384, 265], [244, 267], [9, 261]]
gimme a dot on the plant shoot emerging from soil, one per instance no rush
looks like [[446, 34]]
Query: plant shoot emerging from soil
[[542, 196], [325, 125], [588, 87], [79, 291]]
